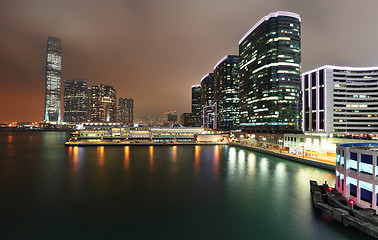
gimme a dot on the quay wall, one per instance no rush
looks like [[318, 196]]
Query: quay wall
[[141, 143], [287, 157]]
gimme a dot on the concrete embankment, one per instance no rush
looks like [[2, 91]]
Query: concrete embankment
[[287, 157], [330, 202], [141, 143]]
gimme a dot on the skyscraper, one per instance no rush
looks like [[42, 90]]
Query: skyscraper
[[226, 92], [53, 80], [76, 101], [126, 111], [208, 108], [270, 75], [196, 106], [103, 104]]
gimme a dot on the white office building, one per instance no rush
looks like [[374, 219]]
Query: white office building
[[339, 101], [357, 173]]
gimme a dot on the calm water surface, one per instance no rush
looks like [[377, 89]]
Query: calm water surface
[[49, 191]]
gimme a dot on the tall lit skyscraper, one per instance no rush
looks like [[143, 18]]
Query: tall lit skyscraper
[[208, 112], [270, 75], [226, 92], [53, 80], [76, 101], [103, 104], [196, 106], [207, 89], [126, 111]]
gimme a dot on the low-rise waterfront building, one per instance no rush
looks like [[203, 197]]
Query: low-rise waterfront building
[[357, 173], [116, 131]]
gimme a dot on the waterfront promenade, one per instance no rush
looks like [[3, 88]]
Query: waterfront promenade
[[327, 164], [122, 143]]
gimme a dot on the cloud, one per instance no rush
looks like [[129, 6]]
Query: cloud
[[153, 51]]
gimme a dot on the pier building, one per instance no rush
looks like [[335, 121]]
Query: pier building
[[357, 173], [115, 131]]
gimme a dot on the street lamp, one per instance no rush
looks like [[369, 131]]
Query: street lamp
[[280, 141], [264, 139]]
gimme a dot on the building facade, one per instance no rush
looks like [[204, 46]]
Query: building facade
[[115, 131], [53, 80], [226, 92], [208, 106], [357, 173], [186, 119], [103, 104], [196, 106], [76, 101], [341, 101], [126, 111], [170, 118], [270, 75]]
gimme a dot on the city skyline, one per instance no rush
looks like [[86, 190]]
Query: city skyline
[[145, 32]]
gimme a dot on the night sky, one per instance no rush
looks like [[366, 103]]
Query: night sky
[[154, 50]]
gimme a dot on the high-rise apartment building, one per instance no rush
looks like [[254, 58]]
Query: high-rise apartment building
[[103, 104], [76, 101], [53, 80], [226, 92], [196, 106], [270, 75], [126, 111], [340, 100]]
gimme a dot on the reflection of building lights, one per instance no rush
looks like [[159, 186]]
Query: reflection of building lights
[[151, 153], [127, 157], [75, 155], [196, 158], [101, 155]]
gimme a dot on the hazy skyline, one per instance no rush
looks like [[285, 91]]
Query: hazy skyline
[[154, 51]]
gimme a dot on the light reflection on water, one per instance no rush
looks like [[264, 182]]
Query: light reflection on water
[[197, 150], [120, 188], [151, 154], [127, 158], [174, 159]]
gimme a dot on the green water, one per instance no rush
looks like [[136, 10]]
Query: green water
[[49, 191]]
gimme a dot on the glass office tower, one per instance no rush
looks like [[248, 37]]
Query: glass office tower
[[208, 113], [226, 92], [196, 106], [76, 101], [53, 80], [270, 75]]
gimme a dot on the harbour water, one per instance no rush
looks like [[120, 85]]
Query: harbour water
[[49, 191]]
